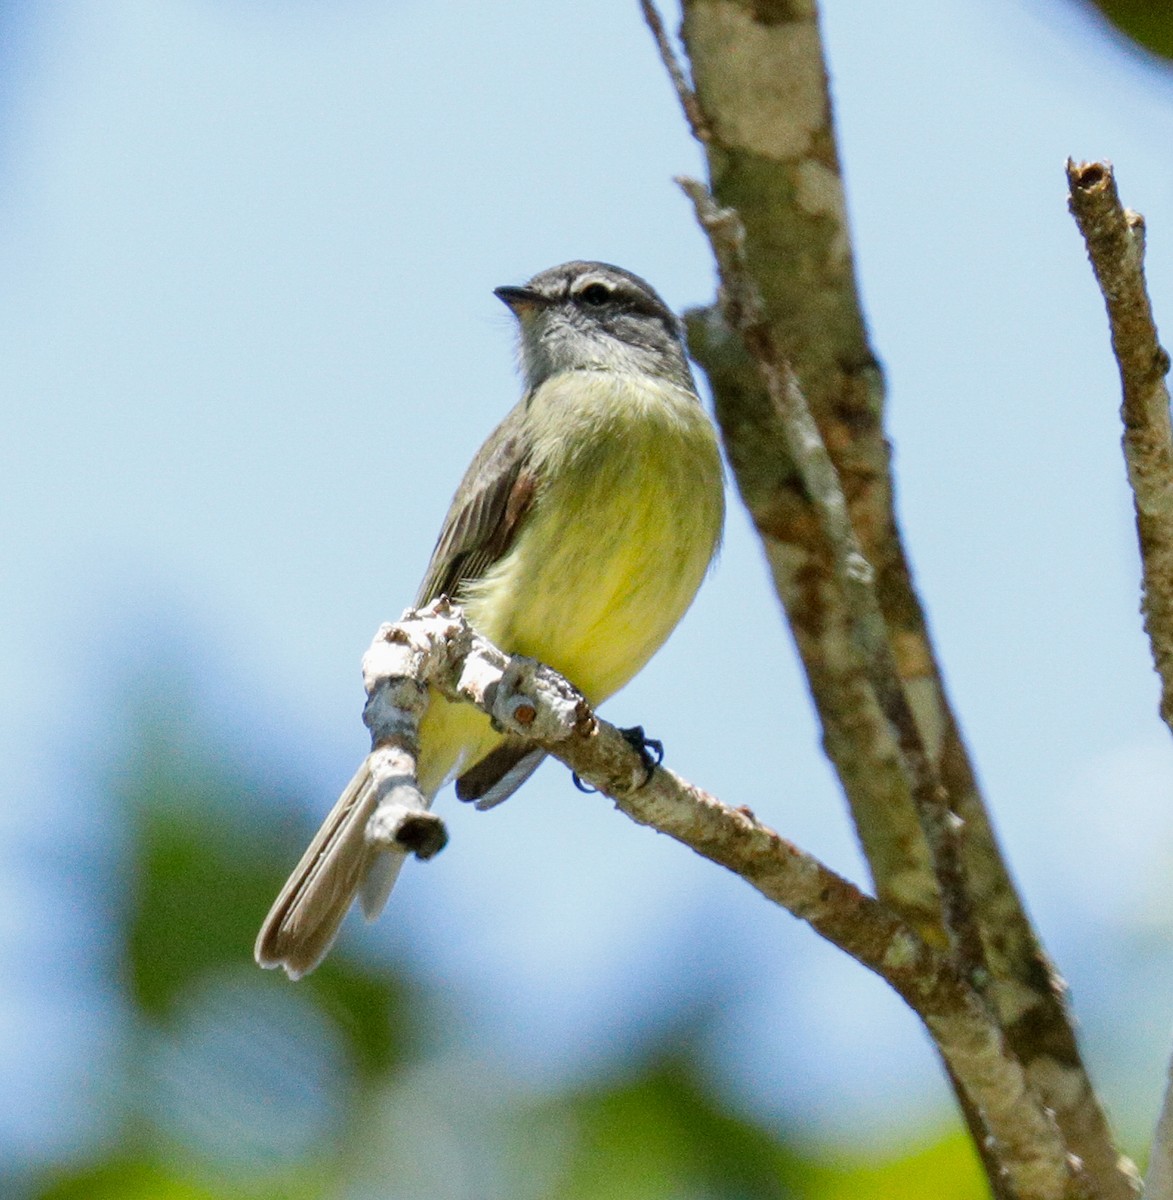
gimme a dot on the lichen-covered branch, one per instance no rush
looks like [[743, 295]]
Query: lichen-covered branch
[[436, 646], [761, 96], [854, 577], [396, 703], [1114, 237], [1115, 244], [759, 87]]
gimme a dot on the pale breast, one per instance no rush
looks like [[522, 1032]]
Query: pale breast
[[625, 522]]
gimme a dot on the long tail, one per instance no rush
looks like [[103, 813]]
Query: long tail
[[305, 917]]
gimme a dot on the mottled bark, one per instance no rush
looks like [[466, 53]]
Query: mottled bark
[[1114, 237], [761, 105], [854, 579], [1115, 243]]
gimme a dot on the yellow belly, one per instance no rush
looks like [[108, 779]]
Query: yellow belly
[[626, 519]]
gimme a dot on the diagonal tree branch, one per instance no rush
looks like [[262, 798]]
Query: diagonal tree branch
[[1115, 244], [437, 646], [761, 93], [1114, 237], [684, 92], [760, 86], [742, 308]]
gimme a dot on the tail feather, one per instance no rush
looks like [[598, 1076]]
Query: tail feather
[[305, 918], [377, 883]]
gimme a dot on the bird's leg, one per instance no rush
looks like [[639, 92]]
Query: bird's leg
[[650, 751]]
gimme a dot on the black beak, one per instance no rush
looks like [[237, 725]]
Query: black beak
[[520, 299]]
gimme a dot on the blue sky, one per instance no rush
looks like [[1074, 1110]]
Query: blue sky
[[247, 254]]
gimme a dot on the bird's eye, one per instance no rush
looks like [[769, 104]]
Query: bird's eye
[[595, 294]]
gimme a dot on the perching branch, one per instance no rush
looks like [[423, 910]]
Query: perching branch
[[438, 647], [760, 86], [1114, 237], [401, 820], [1115, 245]]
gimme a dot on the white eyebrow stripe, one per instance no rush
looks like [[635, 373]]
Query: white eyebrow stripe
[[581, 285]]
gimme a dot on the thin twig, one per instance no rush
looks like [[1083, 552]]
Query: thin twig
[[684, 92], [1114, 237], [1115, 245], [743, 310], [527, 699]]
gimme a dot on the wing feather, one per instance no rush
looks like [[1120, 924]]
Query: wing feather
[[499, 774], [486, 512]]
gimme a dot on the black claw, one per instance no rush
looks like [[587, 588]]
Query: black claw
[[650, 751]]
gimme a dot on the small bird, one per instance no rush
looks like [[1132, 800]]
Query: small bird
[[578, 536]]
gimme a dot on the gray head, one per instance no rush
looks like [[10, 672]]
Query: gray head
[[593, 316]]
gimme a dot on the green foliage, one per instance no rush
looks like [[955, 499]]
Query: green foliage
[[124, 1180], [202, 876], [141, 1179], [662, 1135], [248, 1081], [1146, 22], [948, 1167], [210, 850], [370, 1008]]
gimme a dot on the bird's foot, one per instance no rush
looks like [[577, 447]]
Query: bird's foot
[[650, 751]]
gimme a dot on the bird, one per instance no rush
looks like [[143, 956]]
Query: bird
[[579, 536]]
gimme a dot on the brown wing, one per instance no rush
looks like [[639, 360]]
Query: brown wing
[[486, 512]]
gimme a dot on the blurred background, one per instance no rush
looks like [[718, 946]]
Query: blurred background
[[248, 346]]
